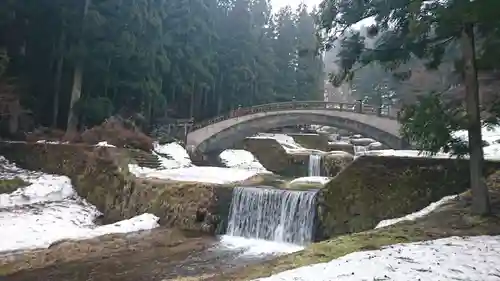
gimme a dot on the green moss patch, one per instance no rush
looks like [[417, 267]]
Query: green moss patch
[[10, 185]]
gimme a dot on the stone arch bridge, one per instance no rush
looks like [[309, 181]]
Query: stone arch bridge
[[224, 131]]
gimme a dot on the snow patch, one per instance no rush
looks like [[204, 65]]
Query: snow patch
[[454, 258], [425, 211], [241, 159], [49, 210], [320, 180], [104, 144], [286, 141], [200, 174], [172, 155]]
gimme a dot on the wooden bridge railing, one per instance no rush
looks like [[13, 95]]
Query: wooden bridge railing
[[385, 111]]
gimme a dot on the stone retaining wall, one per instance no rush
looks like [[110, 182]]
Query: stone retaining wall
[[372, 189], [100, 175]]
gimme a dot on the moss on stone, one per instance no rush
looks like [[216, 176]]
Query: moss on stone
[[263, 179], [305, 186], [311, 141], [452, 219], [373, 188], [100, 175], [10, 185], [336, 161], [340, 146]]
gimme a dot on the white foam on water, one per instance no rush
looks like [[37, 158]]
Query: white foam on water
[[257, 247], [272, 214]]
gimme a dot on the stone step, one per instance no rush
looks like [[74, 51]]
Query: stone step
[[145, 159]]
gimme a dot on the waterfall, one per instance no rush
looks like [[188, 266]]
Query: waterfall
[[272, 214], [314, 165]]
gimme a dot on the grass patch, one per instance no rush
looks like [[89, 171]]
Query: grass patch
[[9, 185]]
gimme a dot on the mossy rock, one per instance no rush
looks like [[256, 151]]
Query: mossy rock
[[336, 161], [276, 159], [341, 146], [372, 189], [362, 141], [311, 141], [10, 185], [264, 179]]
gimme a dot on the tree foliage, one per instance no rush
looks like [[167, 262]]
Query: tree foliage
[[412, 48], [432, 32], [183, 59]]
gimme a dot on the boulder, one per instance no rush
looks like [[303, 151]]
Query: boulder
[[362, 141], [341, 146], [311, 141], [335, 161]]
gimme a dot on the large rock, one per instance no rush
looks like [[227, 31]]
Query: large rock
[[311, 141], [362, 141], [336, 161], [100, 175], [372, 189], [275, 158], [341, 146]]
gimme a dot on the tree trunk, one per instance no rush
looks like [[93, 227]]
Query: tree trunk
[[219, 96], [480, 196], [191, 106], [57, 80], [76, 89]]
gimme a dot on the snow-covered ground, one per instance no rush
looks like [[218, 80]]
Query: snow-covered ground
[[306, 180], [490, 135], [404, 153], [424, 212], [177, 155], [215, 175], [241, 159], [49, 210], [286, 141], [176, 165], [454, 258]]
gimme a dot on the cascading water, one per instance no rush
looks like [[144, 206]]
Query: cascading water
[[314, 165], [272, 214]]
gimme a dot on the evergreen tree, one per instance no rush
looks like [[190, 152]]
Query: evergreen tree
[[425, 30], [76, 63]]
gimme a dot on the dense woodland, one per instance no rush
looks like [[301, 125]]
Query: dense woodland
[[74, 63]]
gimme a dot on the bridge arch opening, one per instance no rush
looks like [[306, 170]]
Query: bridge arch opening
[[210, 139]]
